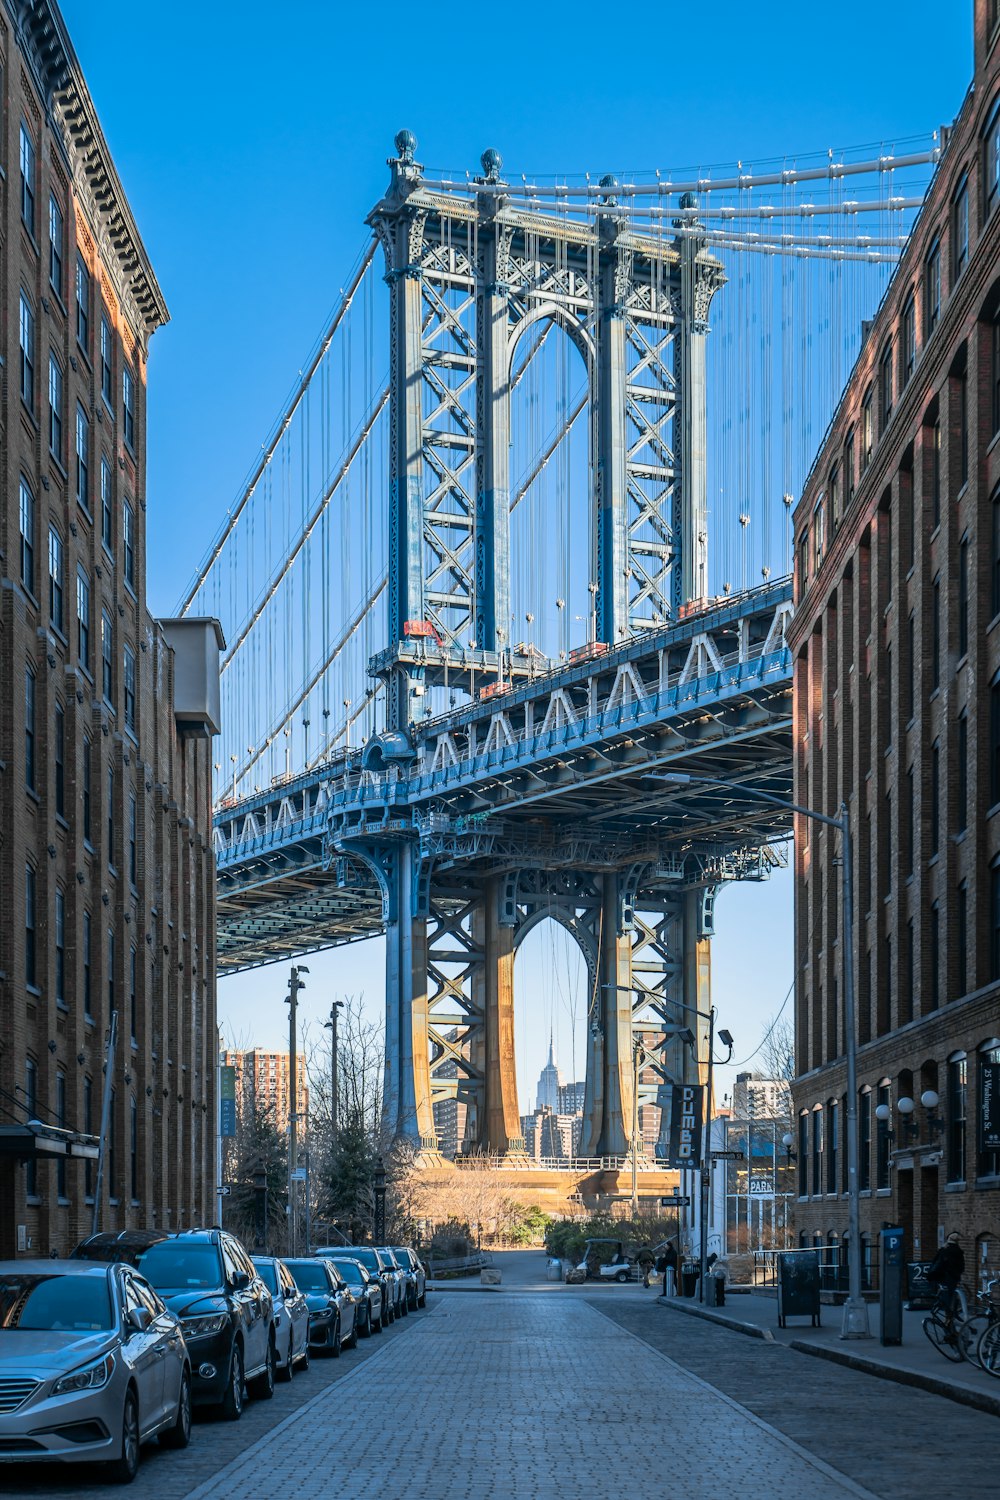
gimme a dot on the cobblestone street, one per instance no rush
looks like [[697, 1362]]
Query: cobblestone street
[[536, 1395]]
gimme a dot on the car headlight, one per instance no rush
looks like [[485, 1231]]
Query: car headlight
[[323, 1316], [203, 1328], [87, 1378]]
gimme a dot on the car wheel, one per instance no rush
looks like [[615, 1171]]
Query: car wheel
[[179, 1435], [422, 1300], [231, 1405], [304, 1356], [263, 1386], [404, 1310], [622, 1276], [335, 1342], [352, 1341], [124, 1469], [366, 1326], [287, 1370]]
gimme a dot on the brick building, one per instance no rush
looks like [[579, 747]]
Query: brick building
[[264, 1082], [896, 641], [106, 867]]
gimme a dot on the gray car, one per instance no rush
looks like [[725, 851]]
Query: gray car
[[415, 1274], [291, 1315], [92, 1365]]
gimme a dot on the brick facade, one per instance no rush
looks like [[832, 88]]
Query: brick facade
[[896, 644], [105, 810]]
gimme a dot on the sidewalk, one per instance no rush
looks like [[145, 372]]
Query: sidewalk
[[914, 1362]]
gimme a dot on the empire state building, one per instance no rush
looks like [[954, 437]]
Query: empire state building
[[550, 1081]]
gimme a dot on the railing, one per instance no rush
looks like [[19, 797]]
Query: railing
[[832, 1266], [563, 1163]]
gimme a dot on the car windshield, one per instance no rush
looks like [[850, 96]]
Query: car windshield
[[79, 1304], [367, 1258], [310, 1276], [350, 1272], [390, 1260], [173, 1267], [268, 1275], [402, 1259]]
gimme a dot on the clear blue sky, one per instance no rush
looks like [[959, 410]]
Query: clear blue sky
[[252, 140]]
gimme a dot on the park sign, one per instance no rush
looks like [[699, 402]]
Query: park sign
[[989, 1105], [227, 1101], [684, 1148]]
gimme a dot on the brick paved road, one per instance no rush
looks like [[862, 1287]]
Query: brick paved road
[[903, 1444]]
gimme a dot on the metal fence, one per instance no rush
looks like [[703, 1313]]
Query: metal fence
[[832, 1266]]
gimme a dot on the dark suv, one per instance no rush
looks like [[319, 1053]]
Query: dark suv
[[209, 1282]]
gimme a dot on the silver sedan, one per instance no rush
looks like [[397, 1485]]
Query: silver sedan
[[291, 1315], [92, 1365]]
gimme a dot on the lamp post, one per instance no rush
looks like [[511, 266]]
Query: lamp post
[[855, 1323], [331, 1026], [378, 1182], [260, 1204], [292, 999]]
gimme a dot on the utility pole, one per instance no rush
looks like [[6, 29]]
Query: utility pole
[[331, 1026], [292, 999]]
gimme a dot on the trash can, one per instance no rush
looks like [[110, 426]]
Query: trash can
[[555, 1269], [690, 1271], [798, 1286], [715, 1291]]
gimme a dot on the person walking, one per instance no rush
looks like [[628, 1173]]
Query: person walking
[[669, 1264], [645, 1259], [946, 1271]]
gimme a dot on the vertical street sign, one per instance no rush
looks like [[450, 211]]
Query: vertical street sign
[[989, 1105], [227, 1101], [684, 1144]]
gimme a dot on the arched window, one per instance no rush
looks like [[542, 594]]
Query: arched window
[[956, 1113], [991, 159], [960, 229], [865, 1140]]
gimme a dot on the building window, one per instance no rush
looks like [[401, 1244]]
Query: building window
[[936, 473], [936, 632], [906, 976], [26, 512], [803, 1156], [111, 969], [111, 815], [908, 823], [957, 1095], [935, 780], [995, 922], [60, 760], [128, 680], [128, 406], [885, 387], [817, 1152], [86, 790], [831, 1145], [31, 1105], [133, 839], [55, 579], [991, 150], [849, 470], [128, 534], [867, 430], [932, 288], [962, 936], [82, 304], [960, 230], [963, 424], [963, 597], [61, 1122], [27, 339], [995, 741], [107, 506], [107, 367], [107, 657], [88, 1126], [908, 333], [30, 961], [819, 532], [911, 666], [83, 459], [934, 958], [56, 241], [803, 562], [962, 792], [29, 729], [60, 926], [834, 499], [987, 1155], [133, 1151], [27, 180], [865, 1140], [133, 1005], [995, 373], [882, 1128]]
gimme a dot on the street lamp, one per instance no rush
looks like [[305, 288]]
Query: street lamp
[[260, 1204], [378, 1179], [331, 1026], [855, 1324]]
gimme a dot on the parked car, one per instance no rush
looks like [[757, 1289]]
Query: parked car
[[416, 1275], [92, 1365], [209, 1282], [367, 1290], [291, 1315], [333, 1321], [400, 1304], [375, 1265]]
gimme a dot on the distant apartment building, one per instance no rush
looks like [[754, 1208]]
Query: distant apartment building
[[896, 643], [570, 1098], [264, 1085], [107, 878], [551, 1137], [758, 1097]]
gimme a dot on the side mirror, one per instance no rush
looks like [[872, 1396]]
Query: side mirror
[[239, 1281], [138, 1319]]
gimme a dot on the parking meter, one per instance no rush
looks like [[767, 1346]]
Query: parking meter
[[891, 1283]]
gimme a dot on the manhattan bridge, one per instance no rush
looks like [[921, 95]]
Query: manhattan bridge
[[516, 553]]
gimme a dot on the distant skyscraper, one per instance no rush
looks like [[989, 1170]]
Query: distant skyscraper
[[571, 1096], [550, 1081]]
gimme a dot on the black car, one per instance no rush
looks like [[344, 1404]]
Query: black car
[[376, 1265], [209, 1282], [372, 1316], [416, 1275], [333, 1309]]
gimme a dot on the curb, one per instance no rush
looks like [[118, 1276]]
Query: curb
[[692, 1310], [964, 1395]]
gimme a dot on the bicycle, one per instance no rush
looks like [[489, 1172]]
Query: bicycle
[[943, 1325], [972, 1329]]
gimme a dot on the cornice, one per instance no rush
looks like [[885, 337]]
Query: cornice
[[50, 57]]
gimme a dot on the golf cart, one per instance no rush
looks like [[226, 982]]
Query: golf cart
[[604, 1260]]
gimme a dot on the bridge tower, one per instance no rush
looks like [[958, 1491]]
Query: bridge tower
[[468, 277]]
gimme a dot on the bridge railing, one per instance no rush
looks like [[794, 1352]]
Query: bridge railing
[[567, 1163]]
